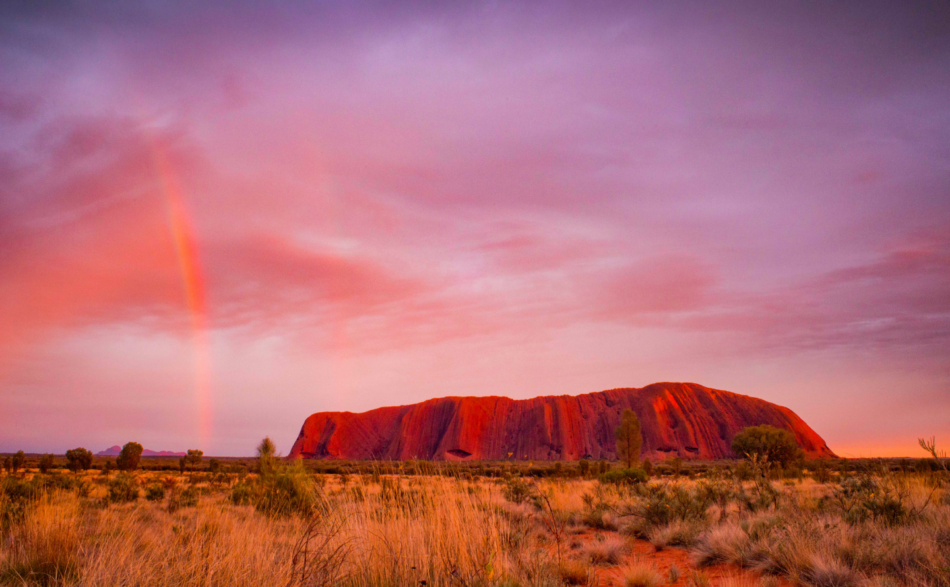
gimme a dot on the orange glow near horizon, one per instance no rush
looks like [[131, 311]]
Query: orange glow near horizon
[[193, 282]]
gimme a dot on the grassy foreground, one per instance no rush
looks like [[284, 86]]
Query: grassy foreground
[[288, 526]]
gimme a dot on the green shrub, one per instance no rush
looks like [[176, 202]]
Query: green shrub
[[665, 503], [629, 438], [78, 459], [18, 461], [187, 498], [599, 517], [287, 490], [284, 489], [648, 467], [820, 472], [624, 477], [516, 490], [16, 495], [155, 492], [865, 497], [123, 488], [776, 445], [128, 459], [583, 467], [45, 464], [242, 494]]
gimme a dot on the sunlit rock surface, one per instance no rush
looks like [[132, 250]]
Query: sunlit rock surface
[[678, 419]]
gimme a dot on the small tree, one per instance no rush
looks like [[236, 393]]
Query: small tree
[[584, 467], [675, 464], [8, 465], [78, 459], [629, 438], [45, 464], [128, 459], [214, 465], [182, 465], [194, 458], [774, 444], [19, 460], [266, 455]]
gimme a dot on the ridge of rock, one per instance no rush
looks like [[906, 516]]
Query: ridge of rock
[[677, 419], [113, 451]]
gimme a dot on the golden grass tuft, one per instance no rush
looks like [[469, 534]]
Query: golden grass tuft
[[639, 574], [44, 548], [606, 551]]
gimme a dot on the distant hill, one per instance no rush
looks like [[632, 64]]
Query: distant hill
[[113, 451], [678, 419]]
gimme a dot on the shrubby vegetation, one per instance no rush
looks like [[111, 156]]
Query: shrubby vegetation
[[624, 476], [270, 521], [767, 443], [128, 459], [78, 459], [629, 439]]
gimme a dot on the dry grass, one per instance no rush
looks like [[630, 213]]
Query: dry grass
[[438, 532], [575, 572], [677, 533], [813, 543], [44, 548], [721, 544], [607, 551], [393, 531], [640, 574]]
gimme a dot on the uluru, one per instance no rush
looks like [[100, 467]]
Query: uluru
[[677, 419]]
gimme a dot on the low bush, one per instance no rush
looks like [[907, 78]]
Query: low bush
[[624, 477], [281, 490], [123, 489], [242, 493], [866, 497], [155, 492], [663, 503], [187, 498], [517, 490]]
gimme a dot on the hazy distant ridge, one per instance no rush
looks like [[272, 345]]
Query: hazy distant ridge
[[113, 451]]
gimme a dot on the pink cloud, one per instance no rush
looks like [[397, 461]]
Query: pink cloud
[[467, 187]]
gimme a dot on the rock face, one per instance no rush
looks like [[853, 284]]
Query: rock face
[[677, 419], [113, 451]]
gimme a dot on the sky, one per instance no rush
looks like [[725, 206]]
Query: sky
[[217, 219]]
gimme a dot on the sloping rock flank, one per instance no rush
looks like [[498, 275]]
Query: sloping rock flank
[[677, 419]]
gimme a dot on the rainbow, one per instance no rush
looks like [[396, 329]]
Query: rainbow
[[193, 281]]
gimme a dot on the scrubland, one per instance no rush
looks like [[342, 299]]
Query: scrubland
[[283, 525]]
